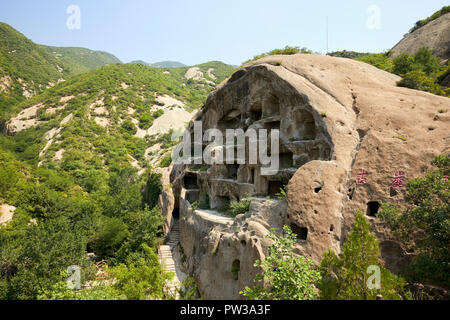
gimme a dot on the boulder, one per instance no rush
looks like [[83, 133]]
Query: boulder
[[337, 119]]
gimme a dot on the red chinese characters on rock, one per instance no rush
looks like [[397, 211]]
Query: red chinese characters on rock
[[361, 178], [398, 181]]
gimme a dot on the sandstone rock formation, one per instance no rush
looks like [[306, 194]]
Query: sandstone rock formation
[[337, 117], [434, 35]]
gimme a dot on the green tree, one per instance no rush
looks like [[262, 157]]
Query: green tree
[[145, 121], [403, 64], [40, 255], [286, 276], [426, 61], [111, 234], [141, 279], [152, 189], [129, 127], [345, 276], [424, 226]]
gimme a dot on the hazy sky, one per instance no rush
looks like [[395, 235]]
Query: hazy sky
[[196, 31]]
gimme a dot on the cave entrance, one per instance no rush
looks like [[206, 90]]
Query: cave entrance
[[222, 125], [372, 208], [235, 268], [300, 232], [274, 188], [176, 213], [252, 173], [256, 113], [232, 171], [271, 106], [190, 181], [306, 126]]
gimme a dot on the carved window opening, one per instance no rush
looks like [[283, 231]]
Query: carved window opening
[[274, 188], [232, 170], [176, 213], [190, 182], [372, 208], [235, 269], [300, 232]]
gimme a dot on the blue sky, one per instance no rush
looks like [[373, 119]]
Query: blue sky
[[232, 31]]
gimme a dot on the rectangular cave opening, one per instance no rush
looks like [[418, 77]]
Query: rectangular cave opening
[[256, 115], [176, 213], [274, 187], [372, 208], [300, 232], [190, 181], [232, 171], [252, 173], [228, 124], [270, 125]]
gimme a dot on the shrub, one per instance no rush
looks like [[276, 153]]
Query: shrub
[[158, 113], [423, 227], [420, 81], [145, 121], [285, 275], [235, 208], [403, 64], [345, 276], [419, 24], [166, 160], [129, 127]]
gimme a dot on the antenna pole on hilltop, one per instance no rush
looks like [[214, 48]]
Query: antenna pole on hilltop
[[327, 35]]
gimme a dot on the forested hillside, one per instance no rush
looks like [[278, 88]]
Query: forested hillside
[[27, 69], [76, 166]]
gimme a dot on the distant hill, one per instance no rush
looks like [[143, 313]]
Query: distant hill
[[432, 33], [27, 69], [80, 60], [162, 64], [168, 64], [110, 110]]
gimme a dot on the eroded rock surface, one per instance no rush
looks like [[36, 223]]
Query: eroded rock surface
[[337, 117], [434, 35]]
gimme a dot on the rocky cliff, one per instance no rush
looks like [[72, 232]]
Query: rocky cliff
[[337, 118], [434, 35]]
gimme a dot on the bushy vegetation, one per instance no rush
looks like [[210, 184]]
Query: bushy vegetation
[[345, 276], [33, 67], [286, 275], [65, 212], [287, 50], [234, 208], [421, 71], [424, 226]]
